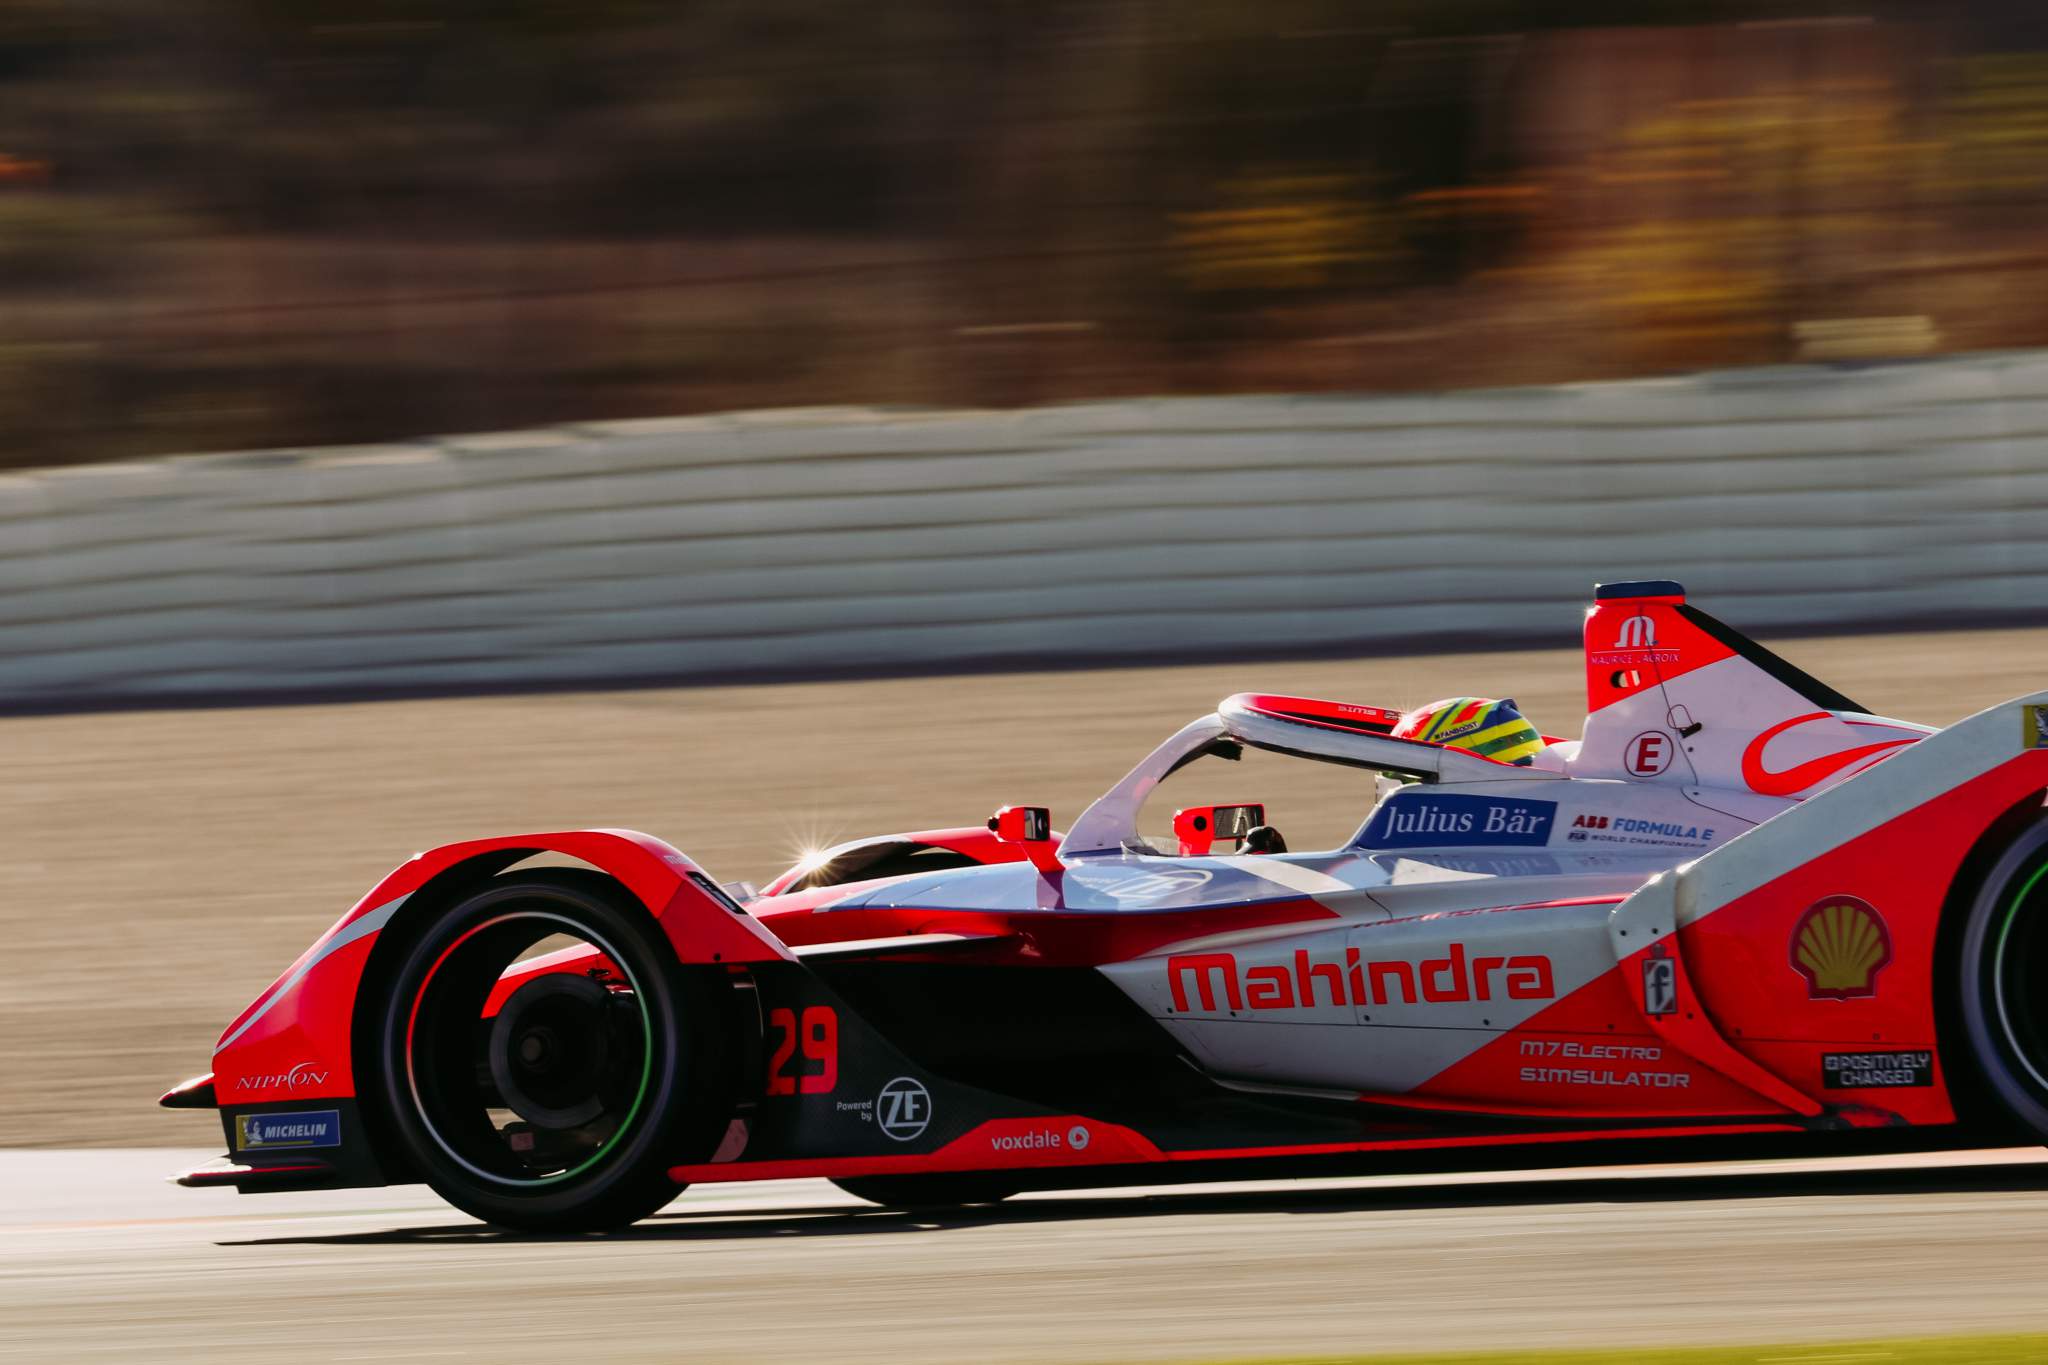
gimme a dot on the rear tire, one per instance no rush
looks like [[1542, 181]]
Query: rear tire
[[929, 1191], [564, 1111], [2003, 984]]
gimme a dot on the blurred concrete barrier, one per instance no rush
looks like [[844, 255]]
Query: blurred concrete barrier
[[815, 540]]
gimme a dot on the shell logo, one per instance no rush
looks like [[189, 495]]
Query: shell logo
[[1839, 946]]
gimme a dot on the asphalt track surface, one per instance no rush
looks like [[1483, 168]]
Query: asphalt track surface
[[100, 1260]]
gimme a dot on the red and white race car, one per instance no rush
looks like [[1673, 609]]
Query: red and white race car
[[1737, 905]]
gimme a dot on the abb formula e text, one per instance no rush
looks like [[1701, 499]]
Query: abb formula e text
[[1737, 904]]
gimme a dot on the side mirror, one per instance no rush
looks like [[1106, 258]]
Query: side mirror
[[1030, 827], [1199, 827]]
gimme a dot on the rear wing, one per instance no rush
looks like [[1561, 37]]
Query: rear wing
[[1678, 697]]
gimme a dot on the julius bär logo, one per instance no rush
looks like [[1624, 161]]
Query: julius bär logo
[[1839, 946]]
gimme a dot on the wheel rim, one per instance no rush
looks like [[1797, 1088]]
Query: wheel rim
[[2019, 961], [547, 1087]]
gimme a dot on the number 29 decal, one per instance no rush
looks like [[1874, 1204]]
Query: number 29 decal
[[816, 1034]]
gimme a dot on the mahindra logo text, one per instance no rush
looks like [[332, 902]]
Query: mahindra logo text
[[1439, 980]]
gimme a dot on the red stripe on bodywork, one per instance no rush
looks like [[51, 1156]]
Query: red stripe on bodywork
[[1800, 776], [980, 1149], [1053, 938], [1139, 1150], [1489, 1140], [1330, 715]]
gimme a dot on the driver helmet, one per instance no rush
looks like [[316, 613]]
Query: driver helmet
[[1491, 729]]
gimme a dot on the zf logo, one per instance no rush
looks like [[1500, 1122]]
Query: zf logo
[[903, 1108], [1660, 986]]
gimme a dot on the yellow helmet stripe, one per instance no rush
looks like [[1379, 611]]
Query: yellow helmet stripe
[[1514, 753], [1445, 715], [1504, 730]]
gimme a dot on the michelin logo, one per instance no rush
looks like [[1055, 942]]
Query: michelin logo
[[265, 1132], [1429, 821]]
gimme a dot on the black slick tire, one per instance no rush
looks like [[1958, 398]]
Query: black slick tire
[[434, 1085], [2002, 990]]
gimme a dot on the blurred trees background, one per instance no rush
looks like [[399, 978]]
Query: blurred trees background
[[247, 223]]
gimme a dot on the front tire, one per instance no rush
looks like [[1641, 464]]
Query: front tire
[[561, 1107], [2004, 980]]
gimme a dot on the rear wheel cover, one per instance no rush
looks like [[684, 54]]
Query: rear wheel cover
[[2004, 979], [564, 1108]]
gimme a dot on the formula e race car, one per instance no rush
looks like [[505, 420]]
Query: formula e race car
[[1737, 905]]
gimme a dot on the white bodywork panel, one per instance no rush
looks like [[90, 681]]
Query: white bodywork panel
[[1418, 993]]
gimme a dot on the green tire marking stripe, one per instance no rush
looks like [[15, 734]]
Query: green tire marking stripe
[[2012, 911], [639, 1095], [2012, 914]]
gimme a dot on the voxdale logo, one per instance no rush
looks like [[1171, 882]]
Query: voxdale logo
[[1207, 978], [1074, 1139]]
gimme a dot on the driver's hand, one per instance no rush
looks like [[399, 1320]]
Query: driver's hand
[[1263, 839]]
